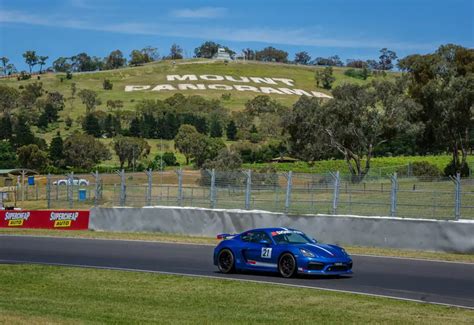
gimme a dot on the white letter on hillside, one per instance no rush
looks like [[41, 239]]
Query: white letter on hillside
[[242, 79], [135, 88], [298, 92], [163, 87], [220, 87], [191, 87], [320, 95], [288, 82], [174, 77], [258, 80], [270, 90], [246, 88], [211, 77]]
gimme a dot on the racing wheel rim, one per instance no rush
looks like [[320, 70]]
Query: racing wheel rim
[[226, 261], [287, 265]]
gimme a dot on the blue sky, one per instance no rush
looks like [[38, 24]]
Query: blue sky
[[351, 29]]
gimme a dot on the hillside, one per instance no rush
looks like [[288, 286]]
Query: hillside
[[257, 75]]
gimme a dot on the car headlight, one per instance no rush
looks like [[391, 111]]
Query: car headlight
[[306, 252]]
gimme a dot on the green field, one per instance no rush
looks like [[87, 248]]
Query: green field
[[48, 294]]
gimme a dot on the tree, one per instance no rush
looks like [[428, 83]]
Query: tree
[[302, 58], [89, 98], [52, 105], [6, 128], [215, 127], [325, 78], [176, 52], [386, 59], [249, 54], [137, 58], [62, 64], [115, 60], [9, 98], [22, 132], [442, 83], [84, 151], [150, 53], [56, 151], [271, 54], [186, 140], [83, 62], [356, 63], [8, 157], [91, 125], [332, 61], [42, 62], [208, 49], [130, 149], [226, 160], [263, 104], [31, 59], [231, 131], [4, 60], [206, 148], [32, 157]]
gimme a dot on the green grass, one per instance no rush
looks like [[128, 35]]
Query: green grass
[[47, 294], [178, 238]]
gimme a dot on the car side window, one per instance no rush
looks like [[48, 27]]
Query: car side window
[[246, 237], [258, 236]]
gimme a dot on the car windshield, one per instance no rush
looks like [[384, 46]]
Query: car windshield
[[290, 237]]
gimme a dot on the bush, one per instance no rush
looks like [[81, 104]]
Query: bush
[[69, 75], [226, 96], [107, 84], [451, 169], [357, 73], [162, 161], [420, 169], [24, 76]]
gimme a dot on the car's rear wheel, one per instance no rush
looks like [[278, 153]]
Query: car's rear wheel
[[225, 261], [287, 265]]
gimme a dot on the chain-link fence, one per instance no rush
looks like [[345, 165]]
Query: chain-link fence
[[294, 193]]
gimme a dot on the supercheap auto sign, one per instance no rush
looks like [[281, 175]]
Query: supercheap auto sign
[[45, 219]]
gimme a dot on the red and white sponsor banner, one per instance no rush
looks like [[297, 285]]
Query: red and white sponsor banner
[[45, 219]]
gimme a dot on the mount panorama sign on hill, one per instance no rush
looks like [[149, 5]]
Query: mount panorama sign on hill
[[264, 85]]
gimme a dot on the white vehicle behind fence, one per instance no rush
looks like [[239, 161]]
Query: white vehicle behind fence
[[76, 181]]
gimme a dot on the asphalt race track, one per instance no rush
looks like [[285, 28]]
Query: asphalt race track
[[428, 281]]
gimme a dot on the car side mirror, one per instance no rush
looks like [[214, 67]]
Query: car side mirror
[[264, 242]]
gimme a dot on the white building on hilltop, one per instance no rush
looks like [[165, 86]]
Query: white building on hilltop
[[222, 55]]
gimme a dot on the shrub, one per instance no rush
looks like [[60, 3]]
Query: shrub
[[357, 73], [451, 169], [107, 84], [421, 169], [68, 75], [226, 96]]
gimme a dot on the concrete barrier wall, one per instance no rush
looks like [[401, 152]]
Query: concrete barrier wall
[[417, 234]]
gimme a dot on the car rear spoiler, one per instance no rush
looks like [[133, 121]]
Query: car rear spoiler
[[225, 236]]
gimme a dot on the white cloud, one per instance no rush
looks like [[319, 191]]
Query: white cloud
[[300, 37], [203, 12]]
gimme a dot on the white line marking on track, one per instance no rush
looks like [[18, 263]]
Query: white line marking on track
[[237, 279]]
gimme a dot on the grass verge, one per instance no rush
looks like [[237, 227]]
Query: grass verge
[[49, 294], [176, 238]]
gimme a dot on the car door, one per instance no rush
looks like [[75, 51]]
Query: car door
[[259, 254]]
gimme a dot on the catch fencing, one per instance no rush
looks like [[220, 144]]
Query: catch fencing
[[292, 193]]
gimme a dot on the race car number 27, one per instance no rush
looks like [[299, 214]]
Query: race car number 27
[[266, 252]]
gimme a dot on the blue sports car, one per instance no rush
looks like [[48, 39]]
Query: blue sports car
[[287, 251]]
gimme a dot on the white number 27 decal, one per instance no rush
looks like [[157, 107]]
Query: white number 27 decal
[[266, 252]]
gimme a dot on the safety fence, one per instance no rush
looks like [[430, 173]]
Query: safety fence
[[291, 193]]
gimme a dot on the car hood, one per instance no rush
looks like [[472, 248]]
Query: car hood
[[324, 250]]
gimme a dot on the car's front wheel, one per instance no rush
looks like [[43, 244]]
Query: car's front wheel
[[287, 265], [225, 261]]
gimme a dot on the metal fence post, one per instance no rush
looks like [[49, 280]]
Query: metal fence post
[[457, 196], [149, 175], [335, 197], [48, 190], [123, 187], [248, 188], [394, 195], [289, 185], [70, 189], [179, 172], [213, 189], [97, 187]]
